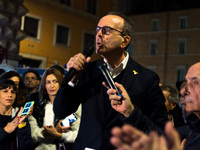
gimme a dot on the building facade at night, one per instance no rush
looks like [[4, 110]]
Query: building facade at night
[[167, 42], [58, 29]]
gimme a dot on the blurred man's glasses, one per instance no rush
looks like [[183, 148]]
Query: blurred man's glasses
[[105, 30], [31, 78]]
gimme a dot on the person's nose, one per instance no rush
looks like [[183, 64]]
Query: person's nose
[[184, 90], [9, 94], [52, 84]]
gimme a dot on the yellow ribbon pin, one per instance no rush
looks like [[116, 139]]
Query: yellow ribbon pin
[[135, 72]]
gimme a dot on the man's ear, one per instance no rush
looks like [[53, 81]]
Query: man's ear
[[126, 41], [173, 105], [38, 82]]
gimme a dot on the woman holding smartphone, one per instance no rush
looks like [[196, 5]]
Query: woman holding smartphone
[[47, 132], [15, 131]]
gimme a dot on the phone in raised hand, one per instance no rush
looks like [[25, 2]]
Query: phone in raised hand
[[27, 108]]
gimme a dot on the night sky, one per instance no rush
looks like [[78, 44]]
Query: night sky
[[149, 6]]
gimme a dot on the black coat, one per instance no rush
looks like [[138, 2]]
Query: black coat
[[193, 138], [178, 116], [98, 117], [19, 139]]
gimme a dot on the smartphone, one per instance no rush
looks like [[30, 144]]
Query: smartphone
[[27, 107], [68, 120]]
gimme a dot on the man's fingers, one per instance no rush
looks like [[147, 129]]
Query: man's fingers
[[105, 85], [116, 102], [172, 135], [116, 142], [76, 62]]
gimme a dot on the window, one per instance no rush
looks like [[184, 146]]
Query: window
[[130, 49], [31, 25], [180, 73], [155, 24], [91, 6], [183, 22], [127, 7], [62, 35], [88, 41], [153, 47], [182, 45], [152, 68], [66, 2]]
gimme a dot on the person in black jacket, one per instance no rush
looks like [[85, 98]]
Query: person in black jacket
[[146, 110], [21, 89], [15, 133], [172, 105], [31, 79], [127, 137], [191, 93]]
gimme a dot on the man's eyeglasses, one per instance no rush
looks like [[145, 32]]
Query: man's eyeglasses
[[105, 30], [31, 78]]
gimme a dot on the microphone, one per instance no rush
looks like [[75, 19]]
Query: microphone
[[108, 78], [70, 74]]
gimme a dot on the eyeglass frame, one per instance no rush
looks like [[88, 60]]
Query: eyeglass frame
[[30, 78], [106, 27]]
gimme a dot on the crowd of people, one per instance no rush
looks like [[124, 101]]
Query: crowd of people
[[145, 116], [40, 129]]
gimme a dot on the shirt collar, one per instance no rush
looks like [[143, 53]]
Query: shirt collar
[[116, 71]]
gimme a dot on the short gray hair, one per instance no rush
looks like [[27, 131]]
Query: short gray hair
[[173, 93]]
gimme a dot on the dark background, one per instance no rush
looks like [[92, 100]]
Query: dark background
[[131, 7]]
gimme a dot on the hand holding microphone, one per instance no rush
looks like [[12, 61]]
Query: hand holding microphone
[[72, 72]]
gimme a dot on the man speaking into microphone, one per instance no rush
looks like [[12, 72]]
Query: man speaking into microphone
[[146, 108]]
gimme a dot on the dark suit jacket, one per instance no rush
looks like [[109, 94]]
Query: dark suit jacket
[[178, 116], [98, 117]]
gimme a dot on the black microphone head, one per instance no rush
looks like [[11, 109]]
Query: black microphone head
[[102, 65], [88, 51]]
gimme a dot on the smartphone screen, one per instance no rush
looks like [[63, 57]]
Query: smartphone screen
[[27, 108], [68, 120]]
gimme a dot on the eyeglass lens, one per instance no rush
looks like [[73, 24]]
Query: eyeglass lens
[[104, 30], [31, 78]]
